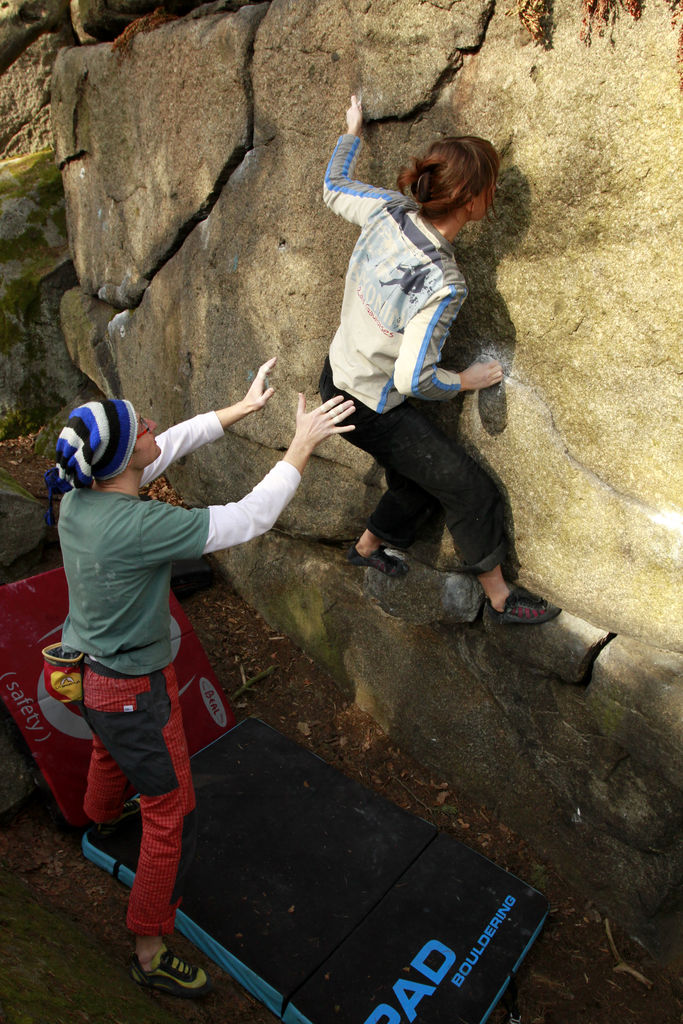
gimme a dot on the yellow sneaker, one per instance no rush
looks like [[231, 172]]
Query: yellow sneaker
[[168, 973]]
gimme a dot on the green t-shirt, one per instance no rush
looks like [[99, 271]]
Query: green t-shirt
[[117, 554]]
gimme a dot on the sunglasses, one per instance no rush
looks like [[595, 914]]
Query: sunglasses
[[145, 427]]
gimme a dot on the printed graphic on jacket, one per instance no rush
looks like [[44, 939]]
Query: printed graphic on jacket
[[391, 293]]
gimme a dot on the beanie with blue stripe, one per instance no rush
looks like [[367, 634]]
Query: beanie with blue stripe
[[96, 444]]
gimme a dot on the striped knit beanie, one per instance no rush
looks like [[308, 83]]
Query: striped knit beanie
[[96, 443]]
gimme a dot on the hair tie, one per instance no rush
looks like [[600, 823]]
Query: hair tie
[[423, 186]]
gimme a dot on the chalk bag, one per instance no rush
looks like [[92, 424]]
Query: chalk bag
[[63, 673]]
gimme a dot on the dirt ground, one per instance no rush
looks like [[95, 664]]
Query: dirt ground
[[573, 973]]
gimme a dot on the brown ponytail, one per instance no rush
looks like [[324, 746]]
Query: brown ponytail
[[453, 171]]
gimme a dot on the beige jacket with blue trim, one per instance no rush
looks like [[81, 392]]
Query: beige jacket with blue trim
[[403, 291]]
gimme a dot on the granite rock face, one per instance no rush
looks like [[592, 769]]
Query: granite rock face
[[16, 780], [424, 596], [203, 247], [593, 528], [25, 125], [107, 19], [588, 318], [36, 373], [140, 171], [22, 528], [636, 697], [24, 21]]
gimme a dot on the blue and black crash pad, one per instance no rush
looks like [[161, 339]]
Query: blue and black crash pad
[[331, 904]]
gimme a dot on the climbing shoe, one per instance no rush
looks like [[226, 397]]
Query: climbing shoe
[[380, 560], [523, 608], [170, 974], [130, 809]]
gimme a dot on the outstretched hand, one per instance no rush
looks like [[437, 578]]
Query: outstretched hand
[[354, 117], [481, 375], [312, 428], [315, 426], [256, 397], [259, 392]]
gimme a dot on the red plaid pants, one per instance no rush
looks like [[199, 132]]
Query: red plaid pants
[[139, 740]]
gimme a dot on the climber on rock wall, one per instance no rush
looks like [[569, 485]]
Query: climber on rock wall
[[403, 291]]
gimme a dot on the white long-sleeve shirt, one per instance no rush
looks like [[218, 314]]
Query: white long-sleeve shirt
[[237, 521]]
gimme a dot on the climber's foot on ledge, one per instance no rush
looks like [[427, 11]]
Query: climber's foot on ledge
[[522, 608], [380, 560]]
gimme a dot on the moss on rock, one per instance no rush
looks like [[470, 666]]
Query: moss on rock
[[19, 422], [19, 304], [36, 170], [300, 612], [34, 272], [41, 983], [8, 483]]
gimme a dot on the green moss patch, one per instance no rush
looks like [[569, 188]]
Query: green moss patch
[[19, 422], [37, 171], [300, 612], [53, 971], [19, 305], [8, 483], [609, 715], [33, 253], [39, 244]]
